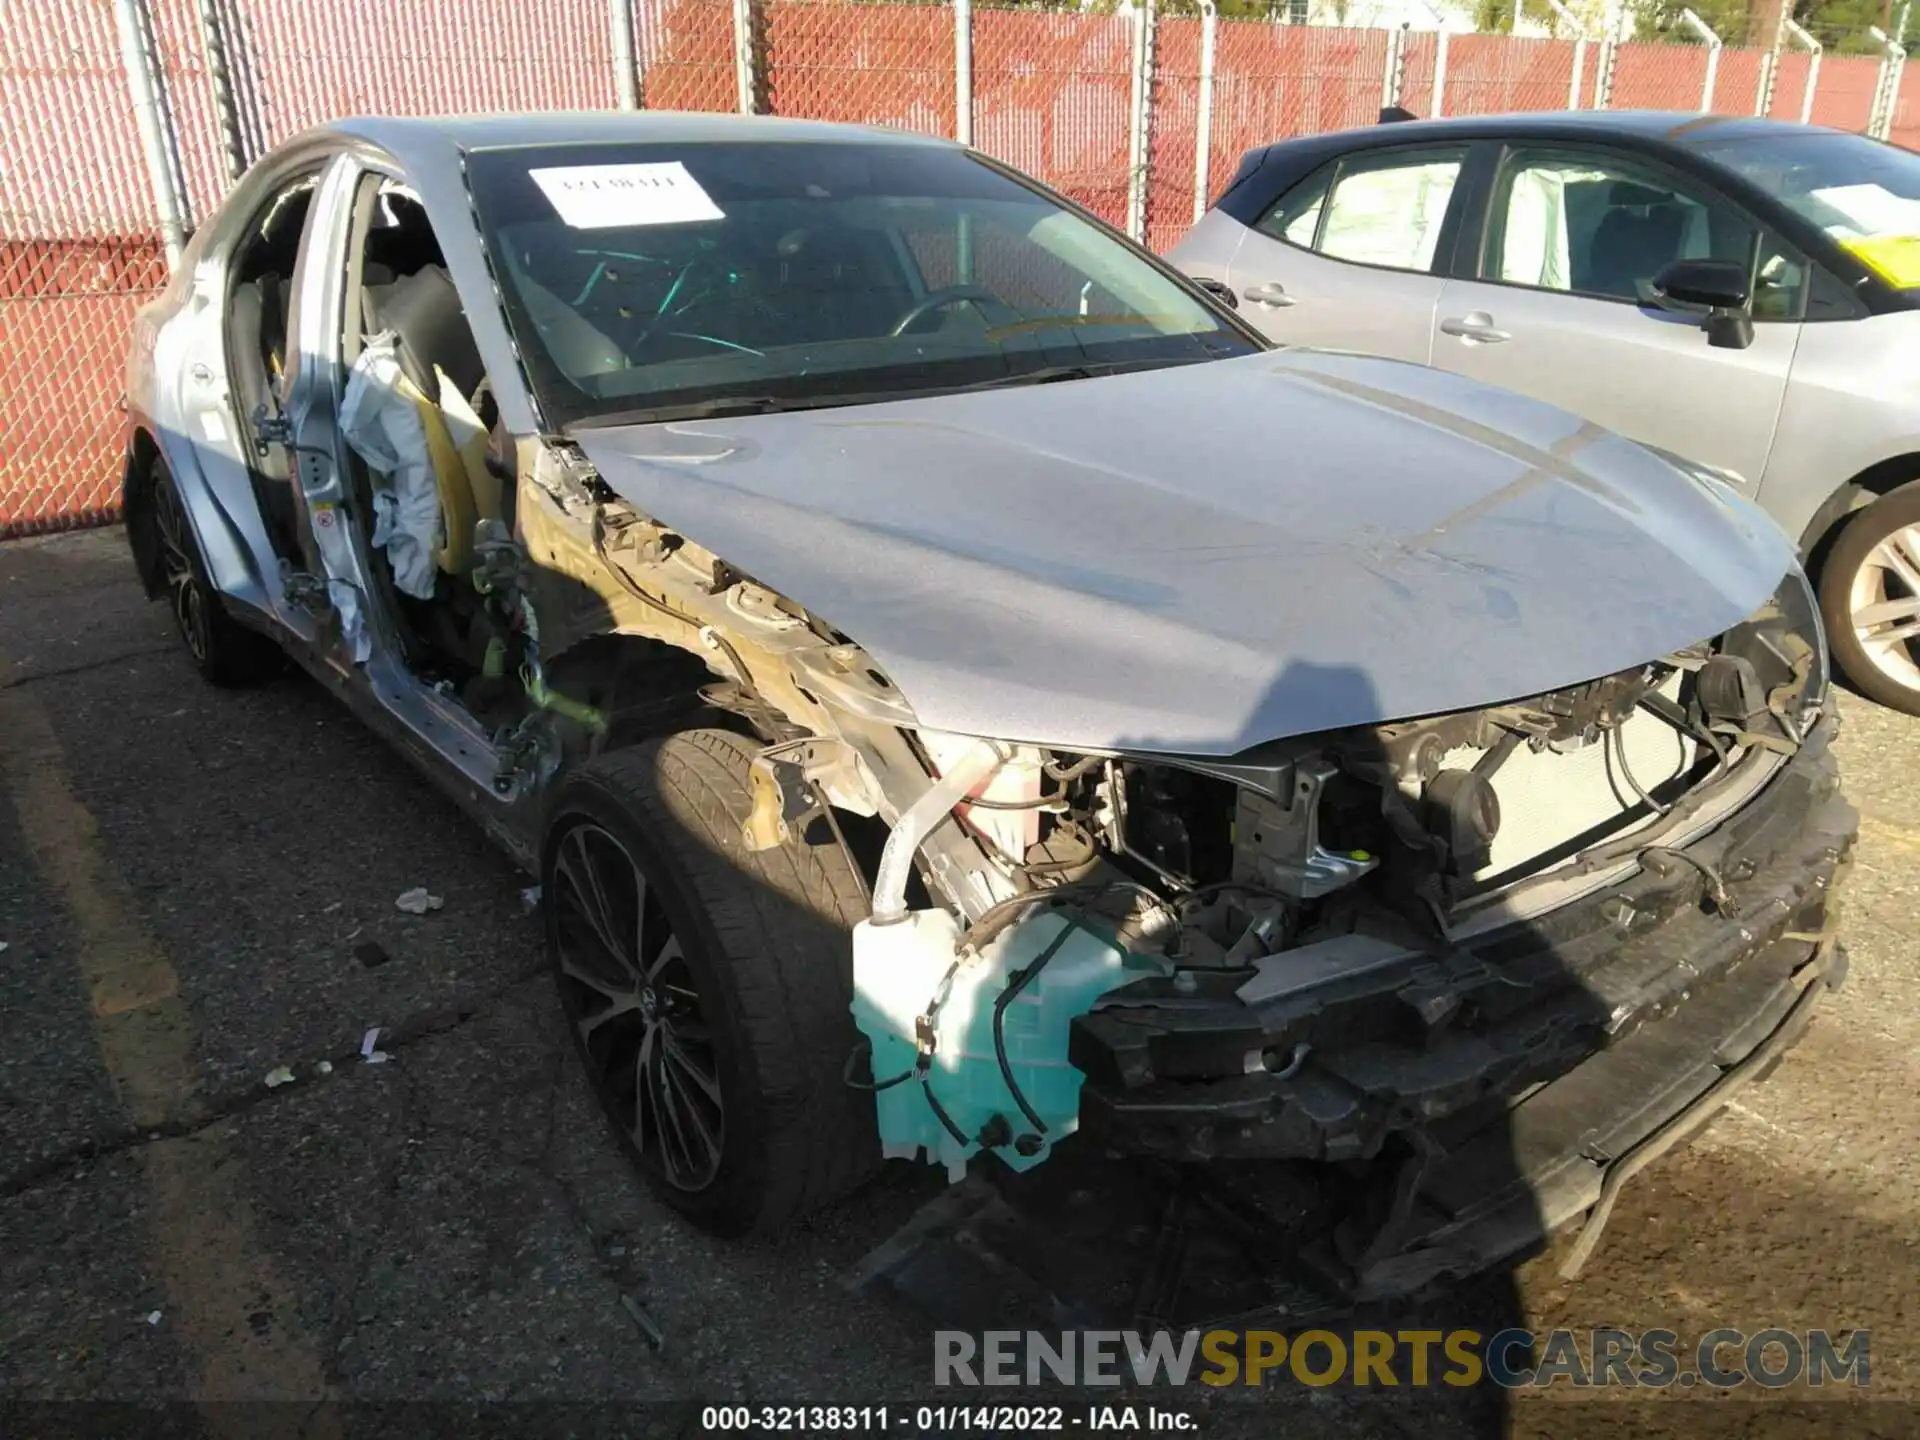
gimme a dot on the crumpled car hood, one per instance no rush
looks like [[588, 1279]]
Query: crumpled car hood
[[1197, 559]]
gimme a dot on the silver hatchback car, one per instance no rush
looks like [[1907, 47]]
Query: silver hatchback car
[[1742, 292]]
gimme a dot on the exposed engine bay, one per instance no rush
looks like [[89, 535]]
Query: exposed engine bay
[[1027, 900], [1192, 882]]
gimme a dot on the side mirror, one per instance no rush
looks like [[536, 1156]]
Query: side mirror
[[1710, 284], [1723, 288]]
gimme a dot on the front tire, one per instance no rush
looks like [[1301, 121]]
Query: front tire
[[1870, 600], [707, 986], [224, 651]]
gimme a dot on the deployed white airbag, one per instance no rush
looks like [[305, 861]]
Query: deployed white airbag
[[381, 419]]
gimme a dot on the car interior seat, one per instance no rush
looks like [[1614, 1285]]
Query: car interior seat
[[1640, 235]]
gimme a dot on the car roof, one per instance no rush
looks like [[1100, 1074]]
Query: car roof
[[1650, 127], [425, 140], [1673, 127], [1268, 171]]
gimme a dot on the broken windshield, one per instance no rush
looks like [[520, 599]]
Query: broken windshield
[[653, 277]]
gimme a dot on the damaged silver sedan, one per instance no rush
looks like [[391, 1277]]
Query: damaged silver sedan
[[960, 688]]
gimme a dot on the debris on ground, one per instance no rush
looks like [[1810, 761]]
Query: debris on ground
[[417, 901], [371, 953], [3, 943], [153, 1317], [649, 1327], [368, 1050], [325, 1067], [280, 1075], [529, 902]]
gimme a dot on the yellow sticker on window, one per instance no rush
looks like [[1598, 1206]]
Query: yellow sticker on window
[[1895, 257]]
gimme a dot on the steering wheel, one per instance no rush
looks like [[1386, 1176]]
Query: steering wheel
[[940, 299]]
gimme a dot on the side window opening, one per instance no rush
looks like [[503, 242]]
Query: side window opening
[[1605, 227], [1295, 216], [1381, 210]]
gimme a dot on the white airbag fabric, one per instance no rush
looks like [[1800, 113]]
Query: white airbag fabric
[[383, 425]]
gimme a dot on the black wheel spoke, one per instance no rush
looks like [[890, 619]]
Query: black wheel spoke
[[679, 1059], [636, 1011], [184, 595]]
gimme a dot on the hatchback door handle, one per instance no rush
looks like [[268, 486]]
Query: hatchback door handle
[[1272, 294], [1475, 326]]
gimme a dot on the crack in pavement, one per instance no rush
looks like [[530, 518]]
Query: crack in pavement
[[35, 677], [206, 1111]]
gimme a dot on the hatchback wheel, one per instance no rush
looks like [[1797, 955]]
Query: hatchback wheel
[[224, 651], [1870, 599], [707, 986]]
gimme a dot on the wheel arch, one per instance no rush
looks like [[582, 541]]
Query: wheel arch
[[1883, 477], [231, 562]]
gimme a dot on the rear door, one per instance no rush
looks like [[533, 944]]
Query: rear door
[[1556, 304], [1346, 258]]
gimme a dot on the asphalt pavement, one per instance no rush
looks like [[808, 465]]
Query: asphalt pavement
[[197, 893]]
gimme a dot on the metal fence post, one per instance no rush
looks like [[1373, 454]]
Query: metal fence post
[[226, 110], [1814, 50], [1712, 41], [151, 117], [1437, 108], [626, 68], [1390, 78], [1579, 51], [1203, 120], [1886, 90], [1769, 75], [963, 71], [1138, 146], [744, 77], [1609, 59]]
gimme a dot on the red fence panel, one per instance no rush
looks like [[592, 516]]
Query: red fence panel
[[1659, 77], [70, 173], [1271, 82], [1052, 93], [685, 49], [423, 57], [1736, 86], [876, 64], [1843, 95], [1488, 74]]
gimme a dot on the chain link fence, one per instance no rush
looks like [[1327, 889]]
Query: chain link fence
[[122, 122]]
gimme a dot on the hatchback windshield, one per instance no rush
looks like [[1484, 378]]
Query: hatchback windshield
[[655, 281], [1863, 193]]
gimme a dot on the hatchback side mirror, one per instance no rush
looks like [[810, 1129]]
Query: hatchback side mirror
[[1722, 288]]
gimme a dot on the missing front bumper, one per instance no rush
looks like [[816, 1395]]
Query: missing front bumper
[[1433, 1050]]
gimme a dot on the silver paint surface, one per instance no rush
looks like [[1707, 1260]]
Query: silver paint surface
[[1201, 558]]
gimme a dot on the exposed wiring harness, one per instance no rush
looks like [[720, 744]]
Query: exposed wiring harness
[[922, 1067], [1017, 982], [998, 917]]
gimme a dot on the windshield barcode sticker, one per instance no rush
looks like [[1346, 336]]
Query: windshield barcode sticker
[[600, 197]]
